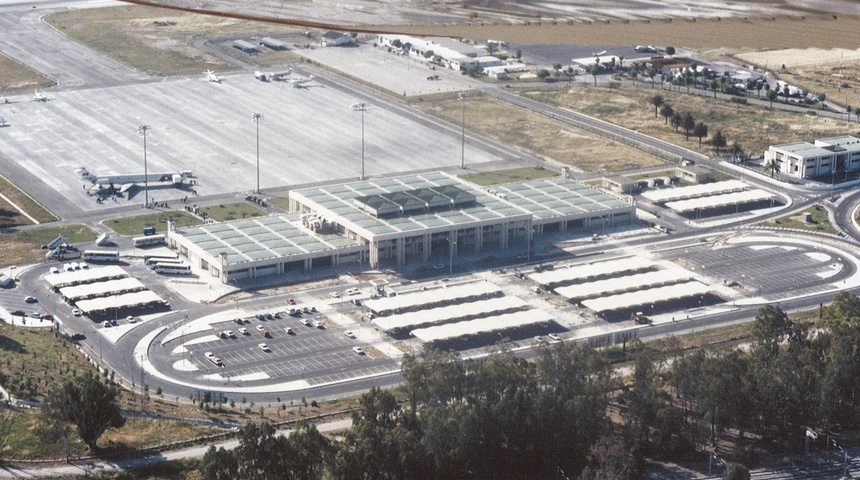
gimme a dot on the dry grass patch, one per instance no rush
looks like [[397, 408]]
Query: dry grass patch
[[540, 136], [18, 77], [158, 41], [754, 127], [24, 202], [21, 248]]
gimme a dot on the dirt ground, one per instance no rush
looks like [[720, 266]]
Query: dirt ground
[[540, 136]]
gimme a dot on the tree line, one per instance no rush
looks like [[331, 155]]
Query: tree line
[[566, 412], [687, 121]]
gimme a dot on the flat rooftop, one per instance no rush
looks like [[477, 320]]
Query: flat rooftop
[[262, 238]]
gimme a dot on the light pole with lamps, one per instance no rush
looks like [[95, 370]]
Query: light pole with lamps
[[143, 129], [462, 96], [361, 107], [256, 119]]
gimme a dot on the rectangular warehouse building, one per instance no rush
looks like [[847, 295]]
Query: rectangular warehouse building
[[396, 220]]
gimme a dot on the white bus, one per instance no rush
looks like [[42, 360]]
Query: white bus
[[100, 256], [153, 259], [165, 262], [149, 241], [173, 269]]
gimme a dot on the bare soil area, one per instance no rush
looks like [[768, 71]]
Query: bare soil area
[[18, 77], [541, 136]]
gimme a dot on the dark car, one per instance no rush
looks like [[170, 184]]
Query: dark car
[[19, 313]]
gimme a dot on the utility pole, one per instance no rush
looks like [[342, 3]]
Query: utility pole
[[462, 96], [361, 107], [256, 119], [143, 129]]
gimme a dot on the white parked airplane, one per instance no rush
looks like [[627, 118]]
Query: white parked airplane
[[210, 75], [597, 54], [39, 97], [299, 82], [126, 181]]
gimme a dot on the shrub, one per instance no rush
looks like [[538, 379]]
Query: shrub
[[740, 100]]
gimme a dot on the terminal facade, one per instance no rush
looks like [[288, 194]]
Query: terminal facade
[[397, 221]]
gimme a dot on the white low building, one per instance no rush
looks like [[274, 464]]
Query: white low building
[[443, 51], [825, 157]]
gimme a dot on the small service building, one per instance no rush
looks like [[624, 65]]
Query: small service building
[[400, 220]]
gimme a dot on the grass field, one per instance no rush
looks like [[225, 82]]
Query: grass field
[[542, 137], [133, 226], [160, 41], [21, 248], [499, 177], [754, 127], [232, 211], [18, 78], [9, 216], [820, 221], [281, 202]]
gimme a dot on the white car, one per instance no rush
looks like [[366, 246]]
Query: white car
[[305, 322], [358, 350], [334, 295], [349, 333], [244, 331], [259, 328], [264, 347], [55, 270], [555, 337], [318, 324], [77, 312], [230, 333], [289, 331], [131, 319], [208, 354], [352, 291]]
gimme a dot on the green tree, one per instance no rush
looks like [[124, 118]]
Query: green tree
[[701, 131], [219, 464], [736, 471], [657, 101], [688, 122], [821, 98], [88, 404], [670, 51], [718, 140], [666, 111], [737, 149], [543, 74], [772, 165], [714, 87], [771, 95], [676, 121]]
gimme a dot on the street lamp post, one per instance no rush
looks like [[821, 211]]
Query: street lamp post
[[256, 119], [451, 245], [143, 129], [462, 96], [361, 107]]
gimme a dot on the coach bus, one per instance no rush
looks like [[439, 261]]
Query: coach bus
[[166, 262], [184, 269], [100, 256], [149, 241], [153, 259]]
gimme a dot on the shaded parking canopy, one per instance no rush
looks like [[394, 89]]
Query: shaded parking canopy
[[716, 201], [482, 325], [102, 289], [119, 301], [647, 297], [624, 284], [450, 312], [433, 297], [695, 191], [78, 277], [591, 270]]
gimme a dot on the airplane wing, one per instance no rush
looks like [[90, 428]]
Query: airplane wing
[[125, 187]]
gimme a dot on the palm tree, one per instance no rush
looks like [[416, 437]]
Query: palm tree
[[772, 165], [651, 72], [714, 87], [737, 150], [657, 101], [700, 130], [689, 123], [718, 141], [758, 86], [821, 98], [667, 111], [594, 70], [677, 120]]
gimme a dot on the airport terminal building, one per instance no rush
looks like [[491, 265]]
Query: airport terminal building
[[397, 221]]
